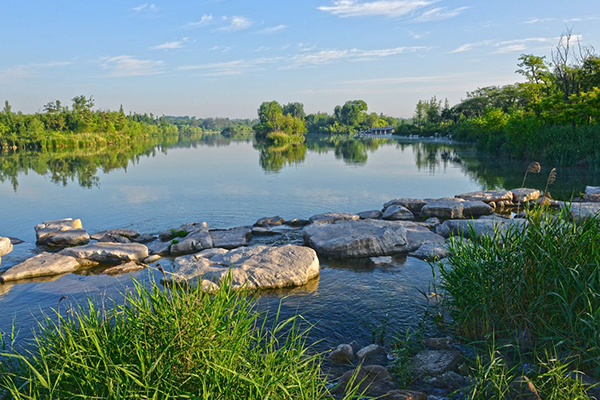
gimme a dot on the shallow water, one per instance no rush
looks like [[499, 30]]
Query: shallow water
[[158, 185]]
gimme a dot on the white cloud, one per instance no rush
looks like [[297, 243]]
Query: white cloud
[[177, 44], [509, 46], [145, 7], [388, 8], [439, 13], [538, 20], [470, 46], [24, 71], [125, 66], [236, 23], [418, 35], [205, 20], [272, 29], [221, 49]]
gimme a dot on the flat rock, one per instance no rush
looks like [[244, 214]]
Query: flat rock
[[584, 210], [331, 217], [263, 230], [382, 261], [523, 195], [435, 362], [444, 208], [414, 205], [430, 251], [127, 233], [231, 238], [131, 266], [478, 227], [474, 208], [397, 213], [270, 221], [6, 246], [487, 196], [44, 264], [183, 230], [108, 253], [356, 238], [61, 233], [343, 354], [258, 267], [371, 214]]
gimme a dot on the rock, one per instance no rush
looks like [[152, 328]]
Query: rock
[[442, 343], [383, 261], [449, 380], [487, 196], [417, 235], [371, 214], [44, 264], [522, 388], [475, 209], [414, 205], [144, 238], [430, 251], [351, 238], [126, 233], [108, 253], [405, 395], [435, 362], [331, 217], [114, 238], [15, 241], [478, 227], [61, 233], [250, 267], [195, 241], [6, 246], [159, 248], [397, 213], [370, 380], [152, 259], [131, 266], [183, 231], [343, 354], [583, 210], [231, 238], [591, 385], [432, 222], [270, 221], [523, 195], [369, 352], [260, 230], [297, 222], [210, 253], [592, 194], [444, 208], [592, 190]]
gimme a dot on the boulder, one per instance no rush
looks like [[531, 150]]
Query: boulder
[[296, 222], [487, 196], [418, 235], [356, 238], [108, 253], [397, 213], [523, 195], [44, 264], [270, 221], [592, 194], [342, 354], [414, 205], [369, 352], [6, 246], [369, 380], [444, 208], [131, 266], [430, 251], [61, 233], [371, 214], [195, 241], [159, 248], [478, 227], [126, 233], [183, 231], [583, 210], [435, 362], [258, 267], [331, 217], [448, 380], [476, 208], [231, 238]]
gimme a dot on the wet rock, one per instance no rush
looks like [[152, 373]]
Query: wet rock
[[476, 209], [369, 352], [522, 388], [435, 362], [523, 195], [370, 380], [441, 343], [383, 261], [152, 259], [131, 266], [430, 251], [159, 248], [444, 208], [108, 253], [398, 213], [183, 231], [6, 246], [231, 238], [144, 238], [448, 380], [15, 241], [126, 233], [269, 221], [250, 267], [343, 354], [196, 240], [44, 264], [331, 217], [487, 196], [260, 230], [414, 205], [371, 214], [363, 238], [405, 395], [61, 233], [417, 236], [296, 222], [113, 238]]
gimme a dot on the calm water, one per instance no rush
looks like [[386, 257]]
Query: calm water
[[158, 185]]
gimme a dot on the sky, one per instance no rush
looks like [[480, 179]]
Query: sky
[[210, 58]]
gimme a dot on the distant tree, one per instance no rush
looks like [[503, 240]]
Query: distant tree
[[296, 110]]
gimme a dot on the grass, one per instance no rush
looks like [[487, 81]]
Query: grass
[[162, 344]]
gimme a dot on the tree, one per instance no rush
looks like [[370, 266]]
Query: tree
[[353, 113], [296, 110]]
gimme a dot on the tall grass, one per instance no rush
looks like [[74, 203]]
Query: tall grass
[[542, 280], [170, 343]]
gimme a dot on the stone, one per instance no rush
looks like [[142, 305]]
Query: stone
[[382, 261], [183, 229], [270, 221], [523, 195], [261, 230], [435, 362], [476, 208], [352, 238], [522, 388], [195, 241], [369, 352], [592, 190], [113, 238], [590, 384], [131, 266], [144, 238], [478, 227], [583, 210], [108, 253], [444, 208], [449, 380], [6, 246], [417, 235], [159, 248], [369, 380], [441, 343], [397, 213], [371, 214], [593, 198], [152, 259], [126, 233], [210, 253], [487, 196], [231, 238], [259, 267], [430, 251], [331, 217], [15, 240], [44, 264], [405, 395], [296, 222], [414, 205], [343, 354], [61, 233]]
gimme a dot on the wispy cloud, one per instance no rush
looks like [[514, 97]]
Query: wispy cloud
[[126, 66], [145, 7], [221, 49], [235, 23], [418, 35], [25, 71], [508, 46], [417, 10], [236, 67], [538, 20], [205, 20], [177, 44], [439, 13], [272, 29]]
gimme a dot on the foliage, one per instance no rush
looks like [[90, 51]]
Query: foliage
[[278, 127]]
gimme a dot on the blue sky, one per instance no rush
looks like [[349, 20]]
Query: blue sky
[[224, 57]]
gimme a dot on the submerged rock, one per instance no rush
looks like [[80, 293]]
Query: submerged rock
[[108, 253], [44, 264], [61, 233], [231, 238], [382, 260], [258, 267], [330, 218]]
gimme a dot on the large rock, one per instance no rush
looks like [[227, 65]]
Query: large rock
[[183, 231], [5, 246], [371, 214], [61, 233], [487, 196], [108, 253], [270, 221], [435, 362], [430, 251], [369, 380], [523, 195], [398, 213], [45, 264], [592, 194], [360, 238], [331, 217], [444, 208], [250, 267], [343, 354], [197, 240], [478, 227], [583, 210], [476, 208], [418, 235], [120, 232], [414, 205], [231, 238]]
